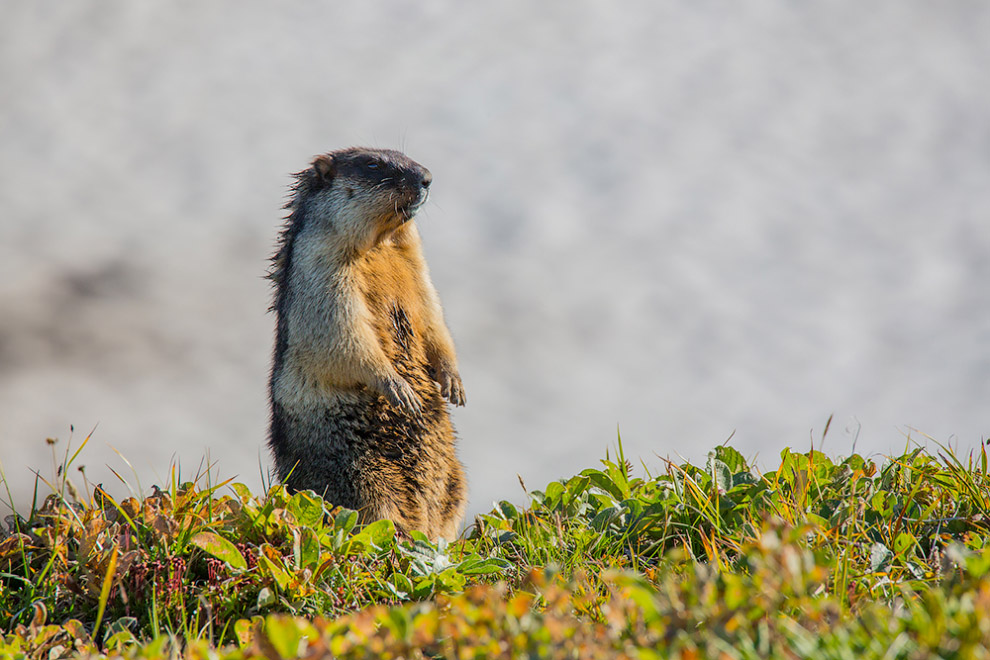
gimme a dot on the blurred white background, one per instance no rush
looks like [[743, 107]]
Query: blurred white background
[[684, 219]]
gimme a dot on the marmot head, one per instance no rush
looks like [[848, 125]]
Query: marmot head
[[363, 195]]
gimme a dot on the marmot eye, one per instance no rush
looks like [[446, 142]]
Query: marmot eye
[[372, 166]]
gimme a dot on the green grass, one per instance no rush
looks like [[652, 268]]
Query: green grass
[[821, 557]]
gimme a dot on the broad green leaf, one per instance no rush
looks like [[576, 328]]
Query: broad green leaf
[[451, 580], [309, 554], [376, 536], [855, 462], [743, 478], [242, 491], [381, 533], [880, 556], [307, 508], [402, 586], [118, 635], [601, 480], [345, 520], [601, 520], [424, 557], [576, 485], [719, 471], [632, 506], [266, 597], [903, 542], [420, 537], [601, 501], [119, 641], [477, 566], [732, 458], [508, 510], [243, 629], [424, 587], [271, 562], [882, 502], [220, 548], [554, 493]]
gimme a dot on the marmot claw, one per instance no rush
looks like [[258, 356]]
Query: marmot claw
[[451, 388], [402, 395]]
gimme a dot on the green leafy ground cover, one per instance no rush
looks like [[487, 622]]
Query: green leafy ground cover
[[820, 557]]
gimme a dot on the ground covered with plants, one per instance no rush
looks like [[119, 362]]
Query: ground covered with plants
[[821, 557]]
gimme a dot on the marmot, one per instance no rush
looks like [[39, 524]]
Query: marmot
[[364, 364]]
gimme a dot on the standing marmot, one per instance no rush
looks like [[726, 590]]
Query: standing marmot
[[363, 359]]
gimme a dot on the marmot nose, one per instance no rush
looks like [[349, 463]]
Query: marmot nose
[[427, 179]]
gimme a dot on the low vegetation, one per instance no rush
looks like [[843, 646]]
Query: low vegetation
[[821, 557]]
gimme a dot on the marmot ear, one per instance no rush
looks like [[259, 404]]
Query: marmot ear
[[325, 167]]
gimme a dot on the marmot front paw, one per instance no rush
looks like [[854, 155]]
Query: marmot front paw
[[451, 387], [401, 395]]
